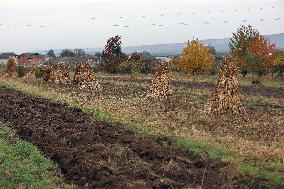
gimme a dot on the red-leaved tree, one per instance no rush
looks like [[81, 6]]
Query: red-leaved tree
[[112, 55], [262, 55]]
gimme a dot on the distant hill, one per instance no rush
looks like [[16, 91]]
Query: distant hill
[[221, 45]]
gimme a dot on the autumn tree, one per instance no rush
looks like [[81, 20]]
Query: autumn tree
[[51, 54], [112, 55], [196, 58], [240, 44], [132, 64], [11, 67], [212, 50], [135, 59], [67, 53], [79, 53], [23, 60], [261, 55]]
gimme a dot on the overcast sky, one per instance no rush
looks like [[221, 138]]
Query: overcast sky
[[38, 25]]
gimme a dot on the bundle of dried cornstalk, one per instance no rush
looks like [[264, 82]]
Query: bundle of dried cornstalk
[[31, 74], [161, 84], [62, 73], [48, 74], [85, 77], [226, 96]]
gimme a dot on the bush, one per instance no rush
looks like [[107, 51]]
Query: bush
[[147, 67], [97, 67], [39, 71], [147, 63], [278, 69], [22, 71], [125, 68], [279, 64]]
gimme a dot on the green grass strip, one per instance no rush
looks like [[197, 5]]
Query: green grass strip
[[23, 166]]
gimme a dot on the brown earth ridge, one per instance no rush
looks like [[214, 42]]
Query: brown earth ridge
[[95, 154]]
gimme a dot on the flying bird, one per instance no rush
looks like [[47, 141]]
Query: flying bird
[[222, 11], [143, 16], [261, 8], [208, 12], [277, 18], [236, 10], [178, 14], [160, 25], [193, 13], [28, 25], [42, 26], [248, 9], [161, 15], [115, 25], [226, 22], [244, 20], [93, 18], [121, 17], [273, 7], [205, 22], [126, 26], [181, 23], [261, 19], [153, 24]]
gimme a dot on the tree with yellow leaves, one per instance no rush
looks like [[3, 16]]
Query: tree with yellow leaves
[[279, 63], [196, 58]]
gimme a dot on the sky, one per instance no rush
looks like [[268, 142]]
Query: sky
[[28, 25]]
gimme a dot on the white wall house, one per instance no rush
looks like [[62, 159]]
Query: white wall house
[[3, 62], [5, 56]]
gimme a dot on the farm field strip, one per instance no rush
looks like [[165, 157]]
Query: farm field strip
[[189, 84], [273, 171], [188, 112], [95, 154], [188, 121]]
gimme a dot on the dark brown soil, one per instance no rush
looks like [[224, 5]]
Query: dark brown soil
[[247, 90], [95, 154]]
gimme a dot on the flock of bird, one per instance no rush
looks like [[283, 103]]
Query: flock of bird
[[162, 15]]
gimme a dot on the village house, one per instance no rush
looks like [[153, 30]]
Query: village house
[[75, 60], [30, 59]]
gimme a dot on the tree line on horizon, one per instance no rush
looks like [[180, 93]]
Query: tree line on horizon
[[252, 52]]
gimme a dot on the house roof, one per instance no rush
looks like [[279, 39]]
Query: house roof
[[7, 55], [31, 55]]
